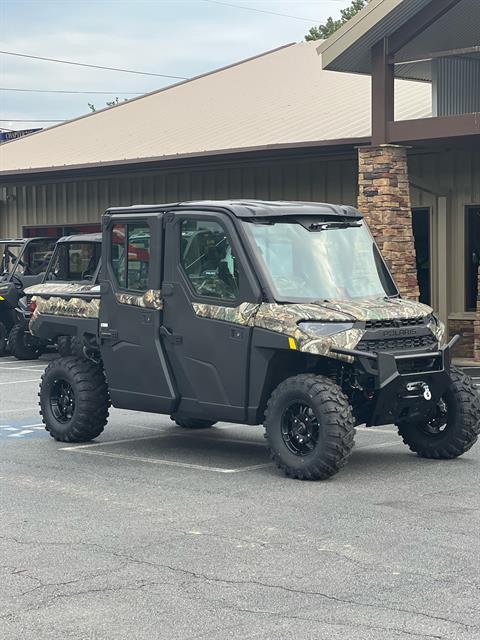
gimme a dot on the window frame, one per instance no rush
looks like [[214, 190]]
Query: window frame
[[206, 217], [114, 277], [249, 289]]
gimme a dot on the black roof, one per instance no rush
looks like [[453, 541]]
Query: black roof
[[250, 208], [23, 240], [82, 237]]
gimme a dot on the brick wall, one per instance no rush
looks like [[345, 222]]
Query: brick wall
[[384, 199], [465, 346]]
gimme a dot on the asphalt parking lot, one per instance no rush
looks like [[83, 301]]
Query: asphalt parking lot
[[154, 531]]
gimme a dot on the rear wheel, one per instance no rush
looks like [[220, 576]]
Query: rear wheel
[[452, 427], [193, 423], [3, 339], [309, 427], [64, 346], [74, 400], [23, 345]]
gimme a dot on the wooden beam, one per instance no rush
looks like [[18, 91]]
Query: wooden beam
[[383, 98], [420, 21], [404, 131]]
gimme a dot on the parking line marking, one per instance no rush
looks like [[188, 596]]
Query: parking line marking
[[19, 381], [171, 463], [109, 442], [31, 367], [381, 445], [374, 430]]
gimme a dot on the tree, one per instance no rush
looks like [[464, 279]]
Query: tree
[[112, 103], [323, 31]]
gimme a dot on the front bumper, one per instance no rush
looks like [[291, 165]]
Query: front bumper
[[405, 386]]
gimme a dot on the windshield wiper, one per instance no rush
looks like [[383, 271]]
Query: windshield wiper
[[325, 226]]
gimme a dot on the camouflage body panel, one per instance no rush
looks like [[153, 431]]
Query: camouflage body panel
[[48, 300], [284, 319], [67, 307], [62, 288], [437, 328], [243, 314], [151, 299]]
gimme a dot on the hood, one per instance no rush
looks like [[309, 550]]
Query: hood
[[368, 309]]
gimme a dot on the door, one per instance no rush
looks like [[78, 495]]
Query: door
[[131, 315], [421, 234], [473, 257], [207, 278]]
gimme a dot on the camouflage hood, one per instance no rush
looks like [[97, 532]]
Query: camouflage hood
[[367, 309], [284, 318], [62, 288]]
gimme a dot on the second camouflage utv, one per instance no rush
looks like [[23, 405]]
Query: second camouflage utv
[[248, 312]]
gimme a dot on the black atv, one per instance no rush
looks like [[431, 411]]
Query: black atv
[[23, 264]]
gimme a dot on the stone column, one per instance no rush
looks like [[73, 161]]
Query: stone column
[[384, 199]]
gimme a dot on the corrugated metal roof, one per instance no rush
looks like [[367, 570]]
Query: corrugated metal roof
[[279, 98], [349, 49]]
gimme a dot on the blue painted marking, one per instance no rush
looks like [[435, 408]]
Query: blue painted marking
[[21, 429]]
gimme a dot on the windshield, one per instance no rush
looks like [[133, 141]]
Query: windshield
[[328, 263], [9, 254]]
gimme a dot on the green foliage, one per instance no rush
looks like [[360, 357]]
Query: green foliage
[[323, 31], [112, 103]]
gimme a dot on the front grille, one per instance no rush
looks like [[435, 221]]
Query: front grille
[[398, 344], [397, 322]]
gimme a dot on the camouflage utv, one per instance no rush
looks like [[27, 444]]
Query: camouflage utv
[[250, 312], [75, 262]]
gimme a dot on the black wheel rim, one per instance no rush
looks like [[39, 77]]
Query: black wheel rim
[[437, 423], [62, 401], [300, 429]]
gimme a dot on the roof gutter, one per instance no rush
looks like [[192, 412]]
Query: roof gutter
[[244, 153]]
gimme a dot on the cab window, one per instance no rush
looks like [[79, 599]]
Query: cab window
[[130, 255], [208, 259], [35, 258], [75, 261]]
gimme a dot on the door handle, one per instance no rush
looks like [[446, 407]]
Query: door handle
[[173, 338], [111, 334]]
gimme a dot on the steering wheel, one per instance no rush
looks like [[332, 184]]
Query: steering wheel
[[17, 282]]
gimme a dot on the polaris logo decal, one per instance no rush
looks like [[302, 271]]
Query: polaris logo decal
[[397, 333]]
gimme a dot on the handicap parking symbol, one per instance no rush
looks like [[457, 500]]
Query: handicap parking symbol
[[20, 431]]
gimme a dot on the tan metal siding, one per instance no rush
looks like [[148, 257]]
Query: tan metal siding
[[455, 173], [81, 201]]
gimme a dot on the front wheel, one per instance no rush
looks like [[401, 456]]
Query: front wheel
[[452, 427], [309, 427], [74, 399], [23, 345]]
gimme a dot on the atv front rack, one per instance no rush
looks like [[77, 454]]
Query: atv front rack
[[405, 385]]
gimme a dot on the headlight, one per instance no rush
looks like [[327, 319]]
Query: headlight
[[323, 329]]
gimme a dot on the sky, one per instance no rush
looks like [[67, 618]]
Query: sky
[[174, 37]]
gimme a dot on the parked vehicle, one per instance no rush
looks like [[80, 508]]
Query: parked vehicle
[[250, 312], [23, 263], [75, 259]]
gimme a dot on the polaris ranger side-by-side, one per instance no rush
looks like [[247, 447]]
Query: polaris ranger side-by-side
[[70, 259], [248, 312], [23, 263]]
